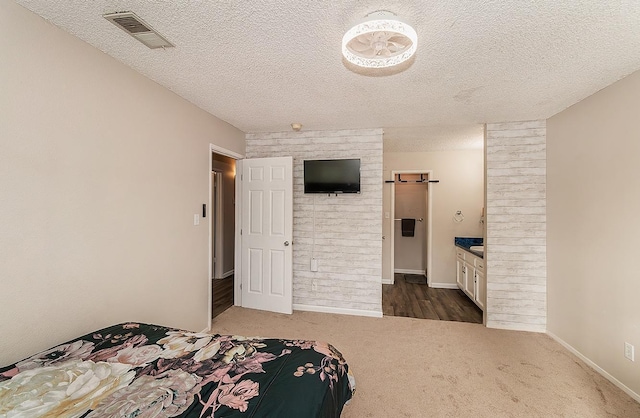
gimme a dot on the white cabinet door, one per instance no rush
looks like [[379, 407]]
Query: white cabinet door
[[481, 289], [266, 234], [459, 272], [469, 287], [470, 276], [481, 283]]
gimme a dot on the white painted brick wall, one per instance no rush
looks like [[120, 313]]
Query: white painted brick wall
[[348, 228], [516, 241]]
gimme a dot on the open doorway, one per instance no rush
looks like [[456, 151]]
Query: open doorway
[[410, 292], [411, 237], [223, 169], [222, 228]]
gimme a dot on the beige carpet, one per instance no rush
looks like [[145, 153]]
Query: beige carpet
[[408, 367]]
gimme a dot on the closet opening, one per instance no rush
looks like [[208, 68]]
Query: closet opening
[[411, 240], [410, 292]]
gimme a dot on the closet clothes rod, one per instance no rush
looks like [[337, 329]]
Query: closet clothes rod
[[422, 180], [412, 181], [419, 220]]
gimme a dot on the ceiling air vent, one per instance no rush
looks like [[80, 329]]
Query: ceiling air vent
[[136, 27]]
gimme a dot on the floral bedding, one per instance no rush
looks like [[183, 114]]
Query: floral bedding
[[142, 370]]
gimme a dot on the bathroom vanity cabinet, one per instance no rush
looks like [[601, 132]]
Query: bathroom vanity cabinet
[[470, 276]]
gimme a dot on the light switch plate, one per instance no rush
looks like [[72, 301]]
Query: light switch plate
[[629, 351], [196, 219]]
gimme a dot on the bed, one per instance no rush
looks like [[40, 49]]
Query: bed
[[144, 370]]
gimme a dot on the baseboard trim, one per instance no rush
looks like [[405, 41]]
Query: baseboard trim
[[341, 311], [224, 275], [514, 326], [595, 367], [387, 281], [444, 285], [408, 271]]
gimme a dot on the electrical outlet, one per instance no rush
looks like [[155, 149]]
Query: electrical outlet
[[314, 285], [629, 351], [314, 264]]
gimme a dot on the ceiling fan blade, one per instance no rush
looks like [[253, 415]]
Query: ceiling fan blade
[[396, 44], [379, 36], [396, 47], [364, 38], [359, 45], [386, 35], [397, 37]]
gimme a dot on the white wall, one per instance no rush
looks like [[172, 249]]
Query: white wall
[[348, 228], [461, 187], [515, 247], [101, 172], [593, 198]]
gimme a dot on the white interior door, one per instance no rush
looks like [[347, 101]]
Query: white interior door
[[266, 234]]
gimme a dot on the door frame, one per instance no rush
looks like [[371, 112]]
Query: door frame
[[428, 226], [237, 255], [238, 157], [216, 223]]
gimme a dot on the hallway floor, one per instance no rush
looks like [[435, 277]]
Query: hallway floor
[[222, 295]]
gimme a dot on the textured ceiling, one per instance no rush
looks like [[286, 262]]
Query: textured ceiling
[[261, 65]]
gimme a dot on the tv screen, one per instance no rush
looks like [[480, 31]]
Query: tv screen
[[332, 176]]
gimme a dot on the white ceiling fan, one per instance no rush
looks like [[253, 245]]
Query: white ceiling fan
[[381, 40]]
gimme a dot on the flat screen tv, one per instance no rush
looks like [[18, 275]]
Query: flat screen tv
[[332, 176]]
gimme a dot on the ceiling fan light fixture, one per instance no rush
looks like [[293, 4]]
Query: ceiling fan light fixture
[[381, 40]]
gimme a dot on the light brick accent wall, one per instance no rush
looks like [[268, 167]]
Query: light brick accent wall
[[347, 241], [516, 225]]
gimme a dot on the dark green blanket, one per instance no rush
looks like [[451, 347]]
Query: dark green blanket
[[133, 370]]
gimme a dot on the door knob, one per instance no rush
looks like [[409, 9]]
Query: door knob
[[286, 243]]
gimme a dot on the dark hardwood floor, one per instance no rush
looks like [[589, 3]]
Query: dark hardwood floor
[[222, 295], [398, 299], [420, 301]]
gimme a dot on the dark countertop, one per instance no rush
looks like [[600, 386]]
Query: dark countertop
[[467, 242]]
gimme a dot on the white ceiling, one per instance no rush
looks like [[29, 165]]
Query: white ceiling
[[263, 64]]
